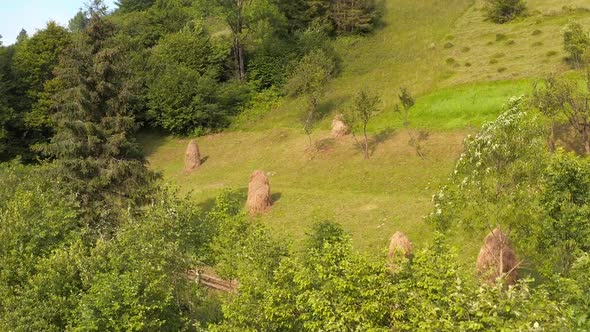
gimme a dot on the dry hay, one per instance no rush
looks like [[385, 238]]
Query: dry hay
[[339, 128], [399, 243], [192, 157], [497, 259], [259, 200]]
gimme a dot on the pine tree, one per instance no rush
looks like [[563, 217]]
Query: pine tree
[[93, 145]]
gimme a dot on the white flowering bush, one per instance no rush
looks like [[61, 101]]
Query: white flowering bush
[[496, 179]]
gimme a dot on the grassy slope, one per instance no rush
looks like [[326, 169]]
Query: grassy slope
[[392, 191], [371, 199]]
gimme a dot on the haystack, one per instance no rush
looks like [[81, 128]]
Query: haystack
[[497, 259], [339, 128], [399, 244], [192, 157], [259, 200]]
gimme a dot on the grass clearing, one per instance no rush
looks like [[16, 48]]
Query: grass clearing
[[370, 198], [467, 106]]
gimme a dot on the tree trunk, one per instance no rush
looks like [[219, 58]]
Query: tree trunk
[[241, 62], [238, 46], [587, 144]]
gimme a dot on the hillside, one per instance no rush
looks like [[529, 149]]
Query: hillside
[[393, 190], [185, 165]]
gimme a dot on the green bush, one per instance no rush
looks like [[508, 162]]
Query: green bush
[[185, 94], [576, 43], [502, 11]]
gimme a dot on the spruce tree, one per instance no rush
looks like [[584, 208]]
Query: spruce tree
[[93, 144]]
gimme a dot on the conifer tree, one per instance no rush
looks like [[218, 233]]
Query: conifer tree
[[93, 144]]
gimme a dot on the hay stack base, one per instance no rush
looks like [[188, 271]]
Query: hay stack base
[[339, 128], [399, 244], [192, 157], [497, 259], [259, 200]]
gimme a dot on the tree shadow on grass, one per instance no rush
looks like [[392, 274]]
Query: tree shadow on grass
[[374, 141], [325, 144], [150, 140]]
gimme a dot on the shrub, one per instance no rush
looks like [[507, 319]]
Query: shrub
[[493, 61], [576, 43], [510, 42], [537, 32], [502, 69], [502, 11], [465, 49], [551, 53], [449, 45]]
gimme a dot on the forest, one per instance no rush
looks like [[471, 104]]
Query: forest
[[301, 165]]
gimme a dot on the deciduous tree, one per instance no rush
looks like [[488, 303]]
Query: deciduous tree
[[364, 108]]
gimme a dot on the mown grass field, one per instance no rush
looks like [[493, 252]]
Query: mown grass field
[[391, 191], [370, 198]]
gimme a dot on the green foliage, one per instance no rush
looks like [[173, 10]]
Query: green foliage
[[507, 177], [566, 198], [310, 75], [344, 16], [36, 217], [308, 79], [323, 233], [561, 97], [576, 43], [247, 22], [134, 281], [185, 93], [191, 48], [364, 108], [37, 56], [499, 167], [137, 281], [407, 102], [6, 117], [79, 22], [354, 16], [296, 13], [503, 11], [332, 288], [242, 250], [329, 288], [134, 5], [93, 147], [439, 295]]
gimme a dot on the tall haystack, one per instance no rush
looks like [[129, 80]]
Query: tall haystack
[[259, 200], [192, 157], [399, 244], [497, 259], [339, 128]]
